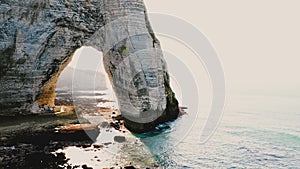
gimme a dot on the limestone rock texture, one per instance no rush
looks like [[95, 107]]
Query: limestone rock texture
[[39, 37]]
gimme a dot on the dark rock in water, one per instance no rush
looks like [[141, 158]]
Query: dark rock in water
[[98, 146], [86, 146], [106, 144], [155, 165], [115, 125], [119, 117], [129, 167], [119, 139], [84, 166]]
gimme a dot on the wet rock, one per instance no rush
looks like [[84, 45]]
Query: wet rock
[[155, 165], [129, 167], [84, 166], [86, 146], [119, 139], [119, 117], [108, 143], [3, 138], [104, 124], [98, 146], [115, 125]]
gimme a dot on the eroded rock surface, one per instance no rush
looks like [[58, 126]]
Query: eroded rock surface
[[38, 39]]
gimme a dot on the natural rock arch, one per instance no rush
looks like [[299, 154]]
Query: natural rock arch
[[38, 39]]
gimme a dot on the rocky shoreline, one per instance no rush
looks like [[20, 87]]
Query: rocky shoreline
[[37, 145], [30, 141], [40, 141]]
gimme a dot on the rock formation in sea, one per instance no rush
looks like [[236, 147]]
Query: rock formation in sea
[[38, 39]]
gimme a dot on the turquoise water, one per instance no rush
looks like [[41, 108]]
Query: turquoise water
[[255, 132]]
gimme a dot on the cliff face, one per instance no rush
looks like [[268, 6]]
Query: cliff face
[[38, 39]]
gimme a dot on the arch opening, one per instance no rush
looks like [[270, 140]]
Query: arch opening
[[81, 86]]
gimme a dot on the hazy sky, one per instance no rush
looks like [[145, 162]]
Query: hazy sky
[[257, 40]]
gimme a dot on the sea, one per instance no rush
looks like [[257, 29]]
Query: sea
[[256, 131]]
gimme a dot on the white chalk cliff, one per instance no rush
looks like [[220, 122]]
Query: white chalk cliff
[[38, 38]]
